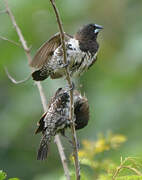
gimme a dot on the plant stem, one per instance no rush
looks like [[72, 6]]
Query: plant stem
[[68, 78], [39, 86]]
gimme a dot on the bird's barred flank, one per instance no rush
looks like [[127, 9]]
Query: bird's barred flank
[[56, 119], [81, 51]]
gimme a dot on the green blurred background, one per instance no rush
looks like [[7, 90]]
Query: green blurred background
[[113, 85]]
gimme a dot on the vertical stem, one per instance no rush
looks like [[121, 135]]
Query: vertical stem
[[39, 86], [63, 157], [68, 78]]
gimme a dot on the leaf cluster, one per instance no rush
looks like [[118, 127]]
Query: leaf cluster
[[107, 169], [3, 176]]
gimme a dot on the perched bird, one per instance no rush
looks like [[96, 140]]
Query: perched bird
[[81, 51], [56, 119]]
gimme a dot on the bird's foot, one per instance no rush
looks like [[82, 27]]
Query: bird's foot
[[65, 65], [72, 87], [71, 142]]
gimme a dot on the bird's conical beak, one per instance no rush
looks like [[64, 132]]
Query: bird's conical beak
[[98, 28]]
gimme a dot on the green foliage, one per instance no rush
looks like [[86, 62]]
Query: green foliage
[[107, 169], [133, 177], [3, 176], [73, 176], [113, 85], [83, 176], [129, 178]]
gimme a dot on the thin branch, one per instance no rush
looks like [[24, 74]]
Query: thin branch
[[68, 78], [13, 80], [42, 95], [119, 168], [133, 169], [62, 154], [126, 167], [122, 162], [116, 172], [39, 86], [57, 137], [11, 41], [19, 33]]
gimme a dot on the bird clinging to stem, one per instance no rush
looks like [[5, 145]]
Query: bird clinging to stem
[[56, 119], [81, 52]]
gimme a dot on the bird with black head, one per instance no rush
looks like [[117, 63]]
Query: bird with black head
[[81, 52]]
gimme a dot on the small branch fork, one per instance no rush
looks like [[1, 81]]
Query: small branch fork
[[39, 86], [122, 166], [13, 42], [13, 80], [68, 78]]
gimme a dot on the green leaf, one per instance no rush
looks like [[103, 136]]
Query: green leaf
[[73, 176], [86, 161], [129, 178], [14, 179], [104, 177], [2, 175]]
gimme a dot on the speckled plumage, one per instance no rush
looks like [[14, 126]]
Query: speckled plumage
[[81, 54], [56, 119]]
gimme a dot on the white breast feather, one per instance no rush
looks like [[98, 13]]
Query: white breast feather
[[74, 54], [74, 43]]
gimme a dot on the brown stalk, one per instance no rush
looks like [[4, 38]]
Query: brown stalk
[[39, 86], [68, 78], [11, 41], [122, 166]]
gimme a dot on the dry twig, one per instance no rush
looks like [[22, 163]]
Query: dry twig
[[13, 80], [39, 86], [133, 169], [122, 166], [68, 78], [13, 42]]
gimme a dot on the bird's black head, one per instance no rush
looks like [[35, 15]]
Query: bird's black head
[[88, 32]]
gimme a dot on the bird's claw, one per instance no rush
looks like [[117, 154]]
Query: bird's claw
[[65, 65], [72, 87], [70, 141]]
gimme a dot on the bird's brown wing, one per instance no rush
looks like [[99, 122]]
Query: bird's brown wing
[[40, 124], [45, 52]]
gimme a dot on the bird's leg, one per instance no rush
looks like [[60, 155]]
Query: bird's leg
[[64, 65], [69, 140], [63, 134], [72, 87]]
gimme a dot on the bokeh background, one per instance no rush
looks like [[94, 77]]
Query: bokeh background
[[113, 85]]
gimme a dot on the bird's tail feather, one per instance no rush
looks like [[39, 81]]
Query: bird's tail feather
[[40, 75], [43, 148]]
